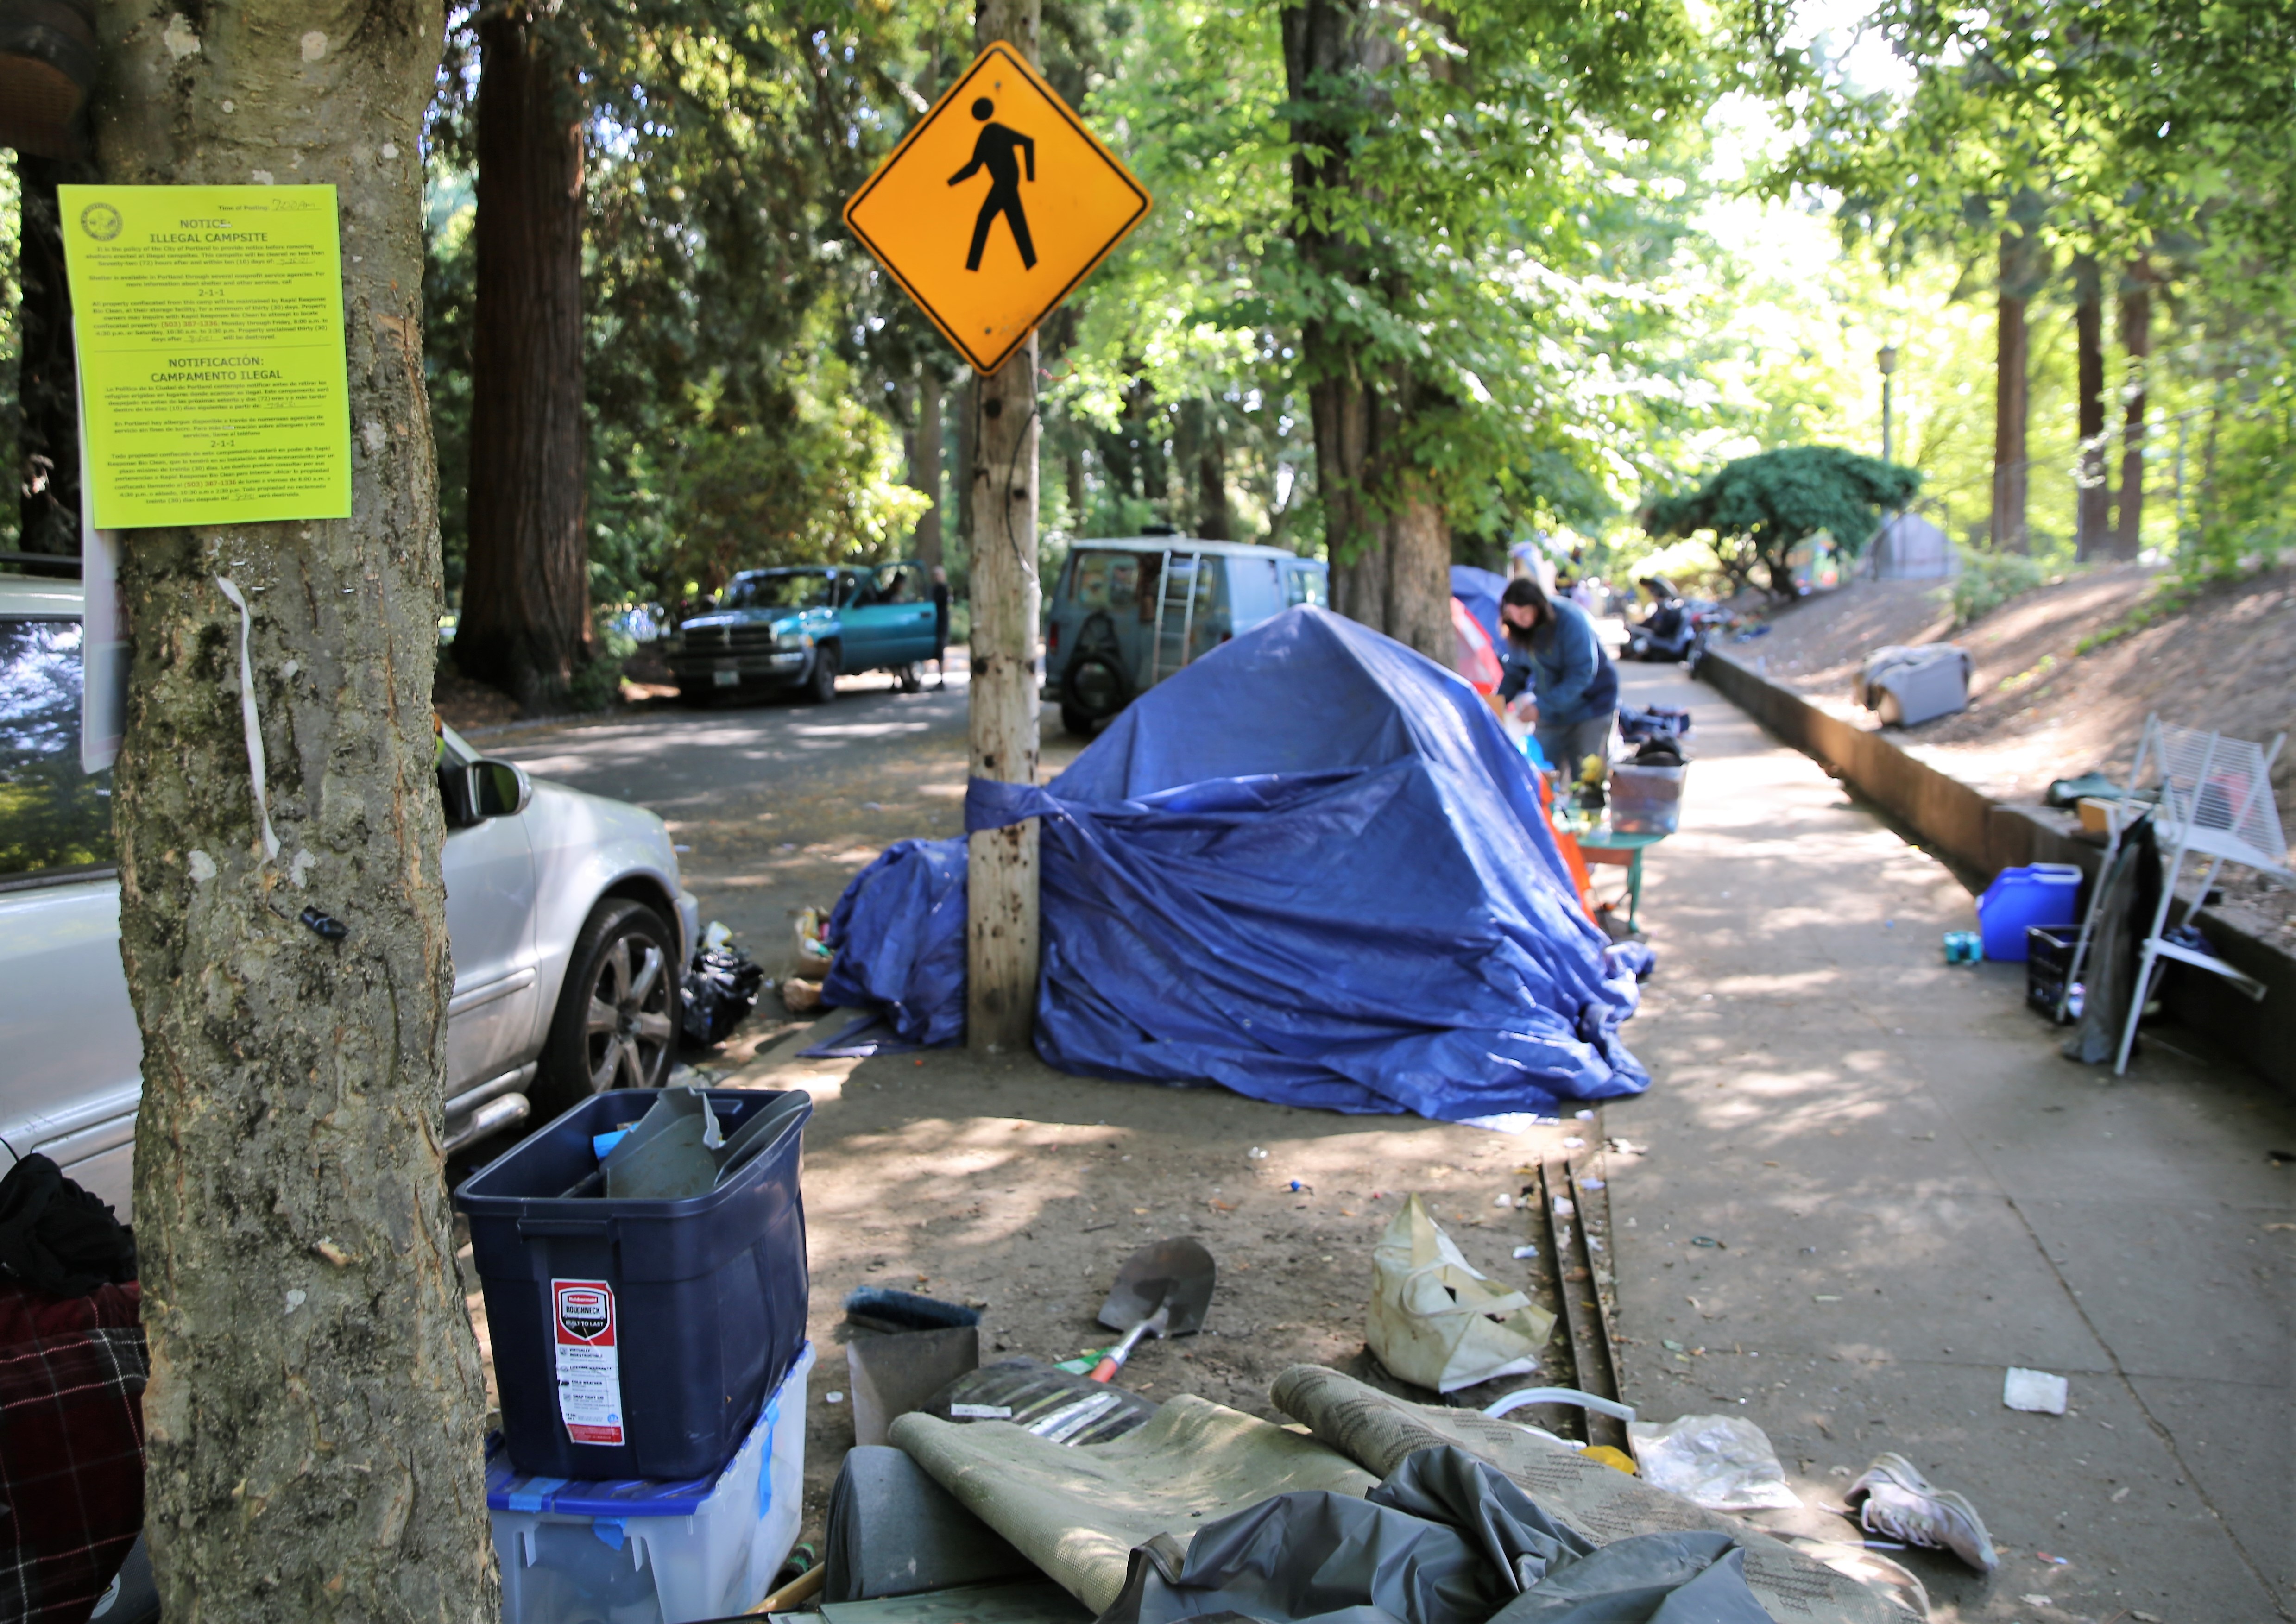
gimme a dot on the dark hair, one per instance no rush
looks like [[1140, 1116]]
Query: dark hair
[[1520, 591]]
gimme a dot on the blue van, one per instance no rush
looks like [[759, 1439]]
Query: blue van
[[1125, 614]]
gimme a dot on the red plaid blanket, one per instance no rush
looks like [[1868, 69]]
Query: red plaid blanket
[[71, 1448]]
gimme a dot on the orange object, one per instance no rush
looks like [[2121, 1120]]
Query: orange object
[[1474, 659], [1567, 843]]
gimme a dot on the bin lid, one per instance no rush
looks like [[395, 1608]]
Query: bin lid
[[511, 1489]]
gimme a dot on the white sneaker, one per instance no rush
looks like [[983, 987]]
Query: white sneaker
[[1900, 1504]]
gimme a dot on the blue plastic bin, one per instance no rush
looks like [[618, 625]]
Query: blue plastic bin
[[2046, 894], [637, 1339]]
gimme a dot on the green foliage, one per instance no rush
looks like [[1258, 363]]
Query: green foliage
[[1759, 507], [1989, 579]]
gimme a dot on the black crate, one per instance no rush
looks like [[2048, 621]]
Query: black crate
[[2048, 956]]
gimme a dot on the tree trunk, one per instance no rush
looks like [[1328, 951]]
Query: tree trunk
[[2011, 401], [924, 466], [525, 623], [313, 1422], [1389, 548], [2093, 497], [1212, 520], [1001, 876], [48, 387], [2136, 340]]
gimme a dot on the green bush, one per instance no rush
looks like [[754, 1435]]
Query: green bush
[[1989, 579]]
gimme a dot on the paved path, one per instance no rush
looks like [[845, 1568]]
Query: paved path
[[1914, 1190]]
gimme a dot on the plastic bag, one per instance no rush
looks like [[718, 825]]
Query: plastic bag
[[1722, 1463], [1436, 1320]]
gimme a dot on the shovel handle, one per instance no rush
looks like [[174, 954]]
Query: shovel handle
[[1113, 1359]]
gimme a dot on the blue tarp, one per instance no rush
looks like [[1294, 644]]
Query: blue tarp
[[1479, 590], [1310, 868]]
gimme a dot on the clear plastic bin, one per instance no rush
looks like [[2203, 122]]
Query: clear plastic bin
[[636, 1552], [1645, 799]]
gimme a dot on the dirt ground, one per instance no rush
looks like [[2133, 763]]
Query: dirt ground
[[2039, 709]]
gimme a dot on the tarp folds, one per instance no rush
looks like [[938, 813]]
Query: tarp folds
[[1310, 868]]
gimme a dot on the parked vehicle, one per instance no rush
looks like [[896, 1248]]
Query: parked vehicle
[[1127, 614], [1678, 629], [569, 926], [803, 628]]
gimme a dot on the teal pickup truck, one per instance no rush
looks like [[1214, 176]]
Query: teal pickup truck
[[802, 629]]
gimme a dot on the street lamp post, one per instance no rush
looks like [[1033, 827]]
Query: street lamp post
[[1886, 358]]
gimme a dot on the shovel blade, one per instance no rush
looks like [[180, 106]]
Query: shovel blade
[[1179, 1270]]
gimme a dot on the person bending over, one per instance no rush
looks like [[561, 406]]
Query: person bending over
[[1557, 670]]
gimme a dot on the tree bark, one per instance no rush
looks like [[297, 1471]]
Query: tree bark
[[313, 1416], [2137, 341], [525, 623], [1001, 877], [1389, 548], [2093, 497], [1212, 520], [2011, 401], [47, 386], [924, 466]]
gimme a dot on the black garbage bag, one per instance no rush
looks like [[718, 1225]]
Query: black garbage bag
[[721, 989], [2131, 896], [58, 1238], [1446, 1539]]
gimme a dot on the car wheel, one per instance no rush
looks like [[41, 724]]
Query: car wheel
[[1075, 721], [910, 680], [616, 1026], [821, 687]]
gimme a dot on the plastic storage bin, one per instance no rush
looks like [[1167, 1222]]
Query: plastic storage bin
[[636, 1339], [1645, 799], [2044, 894], [646, 1553]]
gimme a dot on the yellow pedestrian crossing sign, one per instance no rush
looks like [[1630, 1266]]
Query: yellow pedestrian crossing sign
[[995, 207]]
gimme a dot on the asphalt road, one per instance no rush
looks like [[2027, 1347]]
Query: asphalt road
[[779, 802]]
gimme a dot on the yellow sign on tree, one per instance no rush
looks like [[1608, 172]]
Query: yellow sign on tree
[[209, 326], [995, 206]]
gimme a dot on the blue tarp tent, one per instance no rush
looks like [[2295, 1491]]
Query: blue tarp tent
[[1479, 590], [1309, 867]]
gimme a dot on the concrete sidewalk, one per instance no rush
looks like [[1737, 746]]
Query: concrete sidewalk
[[1910, 1191]]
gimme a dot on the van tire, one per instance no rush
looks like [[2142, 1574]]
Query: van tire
[[1076, 722], [908, 679]]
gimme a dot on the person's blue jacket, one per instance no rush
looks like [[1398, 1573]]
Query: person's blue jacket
[[1566, 667]]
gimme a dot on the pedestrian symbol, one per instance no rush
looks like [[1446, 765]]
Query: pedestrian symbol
[[994, 207], [993, 152]]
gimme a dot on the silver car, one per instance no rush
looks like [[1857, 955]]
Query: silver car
[[570, 929]]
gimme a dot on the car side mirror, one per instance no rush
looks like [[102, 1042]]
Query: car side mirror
[[501, 789]]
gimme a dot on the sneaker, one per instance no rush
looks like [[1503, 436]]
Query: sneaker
[[1900, 1504]]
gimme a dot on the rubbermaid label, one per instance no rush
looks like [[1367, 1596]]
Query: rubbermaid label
[[589, 1369]]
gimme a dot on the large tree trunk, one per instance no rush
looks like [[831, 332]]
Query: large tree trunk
[[314, 1414], [2136, 340], [47, 389], [924, 466], [2093, 497], [2011, 400], [1212, 520], [525, 623], [1389, 548]]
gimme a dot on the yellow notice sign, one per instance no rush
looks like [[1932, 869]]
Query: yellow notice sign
[[210, 323], [995, 206]]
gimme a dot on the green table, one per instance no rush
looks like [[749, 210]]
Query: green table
[[1604, 847]]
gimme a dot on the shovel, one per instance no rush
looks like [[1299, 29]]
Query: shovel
[[1162, 1290]]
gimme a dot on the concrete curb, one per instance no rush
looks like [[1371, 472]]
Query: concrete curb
[[1980, 836]]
